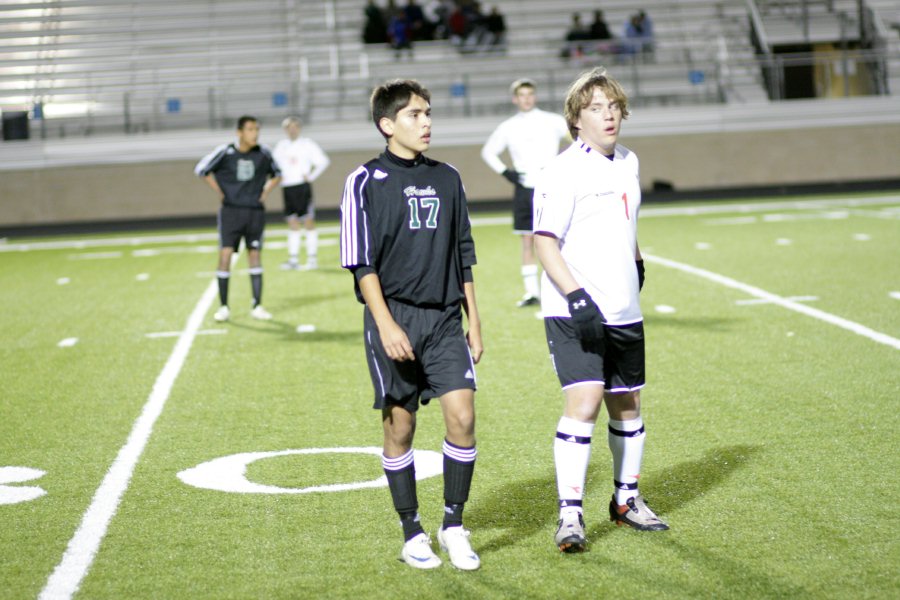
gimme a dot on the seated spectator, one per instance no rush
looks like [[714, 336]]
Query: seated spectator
[[496, 27], [600, 33], [375, 28], [638, 36], [599, 29], [457, 26], [415, 20], [646, 26], [436, 14], [577, 33], [400, 35]]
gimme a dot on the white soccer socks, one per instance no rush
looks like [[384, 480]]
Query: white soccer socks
[[530, 278], [626, 442], [571, 452]]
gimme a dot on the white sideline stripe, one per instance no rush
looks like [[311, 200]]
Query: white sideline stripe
[[648, 211], [79, 555], [783, 302]]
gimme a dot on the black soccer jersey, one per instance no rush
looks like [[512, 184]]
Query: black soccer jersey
[[408, 220], [241, 176]]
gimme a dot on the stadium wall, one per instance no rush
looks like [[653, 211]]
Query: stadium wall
[[168, 189]]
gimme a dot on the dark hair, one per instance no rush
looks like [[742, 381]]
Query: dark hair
[[246, 119], [393, 96]]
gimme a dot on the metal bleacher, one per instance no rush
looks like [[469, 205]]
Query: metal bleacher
[[86, 67]]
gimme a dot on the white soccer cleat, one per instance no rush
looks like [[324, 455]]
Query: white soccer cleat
[[260, 313], [312, 263], [455, 542], [290, 265], [417, 553], [222, 314]]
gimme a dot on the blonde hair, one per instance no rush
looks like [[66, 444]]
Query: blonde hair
[[520, 83], [292, 119], [581, 92]]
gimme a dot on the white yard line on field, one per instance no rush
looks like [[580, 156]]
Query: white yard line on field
[[780, 301], [79, 555], [704, 208]]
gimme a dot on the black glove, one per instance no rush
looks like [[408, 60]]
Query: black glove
[[587, 320], [640, 268], [512, 176]]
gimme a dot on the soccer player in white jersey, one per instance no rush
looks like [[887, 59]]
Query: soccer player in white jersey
[[301, 161], [585, 224], [532, 137]]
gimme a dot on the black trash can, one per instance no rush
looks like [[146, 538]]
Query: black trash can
[[15, 125]]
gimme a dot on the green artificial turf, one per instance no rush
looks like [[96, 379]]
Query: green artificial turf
[[771, 434]]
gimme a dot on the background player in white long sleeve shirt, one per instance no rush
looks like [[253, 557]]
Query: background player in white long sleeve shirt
[[532, 138], [301, 161]]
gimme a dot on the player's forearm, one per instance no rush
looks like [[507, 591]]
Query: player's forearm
[[554, 264], [212, 183], [267, 189], [493, 160], [370, 288], [469, 305]]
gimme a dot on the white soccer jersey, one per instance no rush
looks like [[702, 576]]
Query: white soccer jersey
[[591, 203], [532, 139], [300, 160]]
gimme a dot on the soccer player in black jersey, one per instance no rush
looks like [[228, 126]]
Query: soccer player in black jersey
[[242, 175], [406, 237]]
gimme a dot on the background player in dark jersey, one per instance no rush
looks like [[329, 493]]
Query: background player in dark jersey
[[405, 234], [242, 175]]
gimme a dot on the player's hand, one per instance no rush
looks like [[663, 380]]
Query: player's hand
[[476, 347], [512, 176], [587, 320], [640, 270], [395, 342]]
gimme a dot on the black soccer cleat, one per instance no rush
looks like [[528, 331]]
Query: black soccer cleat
[[527, 301]]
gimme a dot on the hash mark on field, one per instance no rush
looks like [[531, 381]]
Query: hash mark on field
[[168, 334], [702, 245], [67, 342], [664, 309], [783, 242], [856, 328], [63, 281], [764, 301], [142, 277], [82, 548], [306, 328], [95, 255], [894, 295], [862, 237]]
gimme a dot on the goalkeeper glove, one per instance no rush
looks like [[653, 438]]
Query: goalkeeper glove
[[640, 269], [512, 176], [587, 320]]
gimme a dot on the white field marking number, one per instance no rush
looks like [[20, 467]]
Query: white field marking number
[[229, 473], [10, 494]]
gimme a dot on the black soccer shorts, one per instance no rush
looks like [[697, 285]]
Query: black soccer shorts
[[236, 222], [523, 210], [298, 201], [443, 362], [619, 369]]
